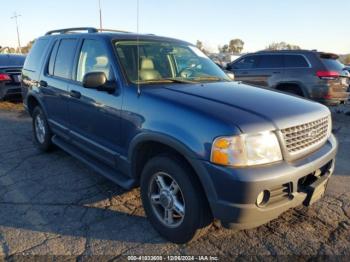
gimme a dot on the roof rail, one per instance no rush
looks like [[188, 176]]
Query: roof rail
[[67, 30], [113, 31]]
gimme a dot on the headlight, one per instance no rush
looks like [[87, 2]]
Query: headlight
[[246, 150]]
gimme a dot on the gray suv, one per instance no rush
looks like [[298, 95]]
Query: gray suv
[[310, 74]]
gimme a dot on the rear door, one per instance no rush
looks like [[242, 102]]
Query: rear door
[[95, 115], [298, 71], [55, 81]]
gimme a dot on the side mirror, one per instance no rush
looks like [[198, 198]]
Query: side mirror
[[230, 75], [98, 80]]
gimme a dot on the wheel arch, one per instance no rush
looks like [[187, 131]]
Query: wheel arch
[[282, 86], [146, 146], [31, 102]]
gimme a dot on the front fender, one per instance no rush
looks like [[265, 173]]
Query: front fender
[[182, 149]]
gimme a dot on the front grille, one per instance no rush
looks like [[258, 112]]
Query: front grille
[[301, 138]]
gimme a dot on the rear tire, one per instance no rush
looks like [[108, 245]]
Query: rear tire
[[41, 131], [173, 200]]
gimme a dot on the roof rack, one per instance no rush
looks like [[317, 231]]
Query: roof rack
[[88, 29], [71, 30], [113, 31]]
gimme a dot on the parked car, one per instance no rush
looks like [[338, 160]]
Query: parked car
[[10, 75], [155, 112], [315, 75]]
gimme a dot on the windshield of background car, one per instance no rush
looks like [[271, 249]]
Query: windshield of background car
[[163, 62]]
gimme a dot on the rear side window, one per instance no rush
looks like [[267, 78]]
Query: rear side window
[[271, 61], [36, 54], [64, 58], [248, 62], [295, 61]]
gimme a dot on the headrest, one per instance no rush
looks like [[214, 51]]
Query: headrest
[[147, 64], [101, 61]]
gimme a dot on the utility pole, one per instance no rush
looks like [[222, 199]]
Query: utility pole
[[99, 5], [18, 38]]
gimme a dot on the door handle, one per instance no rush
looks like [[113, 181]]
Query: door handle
[[75, 94], [43, 83]]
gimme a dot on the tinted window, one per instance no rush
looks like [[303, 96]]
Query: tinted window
[[248, 62], [12, 60], [332, 64], [52, 58], [64, 58], [295, 61], [271, 61], [36, 54], [93, 58]]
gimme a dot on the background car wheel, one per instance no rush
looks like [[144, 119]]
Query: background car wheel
[[41, 130], [173, 199]]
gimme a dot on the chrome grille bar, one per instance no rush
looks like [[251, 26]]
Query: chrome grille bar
[[298, 140]]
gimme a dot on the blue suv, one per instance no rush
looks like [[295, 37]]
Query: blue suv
[[155, 112]]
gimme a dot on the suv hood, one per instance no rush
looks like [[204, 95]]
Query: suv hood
[[250, 108]]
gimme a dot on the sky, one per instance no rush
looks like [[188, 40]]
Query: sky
[[311, 24]]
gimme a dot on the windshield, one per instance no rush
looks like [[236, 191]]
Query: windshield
[[166, 62]]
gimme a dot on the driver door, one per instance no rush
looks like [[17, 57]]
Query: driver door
[[95, 115]]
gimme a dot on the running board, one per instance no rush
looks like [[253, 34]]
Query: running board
[[97, 166]]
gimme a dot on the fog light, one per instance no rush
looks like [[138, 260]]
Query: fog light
[[263, 198]]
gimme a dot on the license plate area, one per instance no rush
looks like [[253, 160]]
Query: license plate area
[[16, 78], [315, 192], [315, 184]]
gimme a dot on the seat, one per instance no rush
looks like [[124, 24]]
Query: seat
[[102, 65], [147, 71]]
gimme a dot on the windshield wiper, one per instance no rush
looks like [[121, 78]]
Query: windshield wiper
[[165, 80], [178, 80], [211, 78]]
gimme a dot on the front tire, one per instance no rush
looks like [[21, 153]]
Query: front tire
[[41, 130], [173, 200]]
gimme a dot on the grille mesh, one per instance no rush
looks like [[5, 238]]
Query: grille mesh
[[302, 137]]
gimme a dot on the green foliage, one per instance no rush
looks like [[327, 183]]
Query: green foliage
[[236, 46]]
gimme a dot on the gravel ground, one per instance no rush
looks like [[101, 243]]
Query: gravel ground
[[51, 204]]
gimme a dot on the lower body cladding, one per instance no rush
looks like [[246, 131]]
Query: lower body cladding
[[7, 91], [249, 197]]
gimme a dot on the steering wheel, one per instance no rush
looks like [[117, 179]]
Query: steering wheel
[[187, 72]]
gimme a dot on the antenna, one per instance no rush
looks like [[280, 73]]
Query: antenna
[[15, 16], [138, 47], [100, 11]]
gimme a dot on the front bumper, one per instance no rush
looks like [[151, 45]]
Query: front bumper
[[236, 190]]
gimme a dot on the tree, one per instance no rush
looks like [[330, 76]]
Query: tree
[[282, 46], [223, 49], [26, 49], [345, 59], [236, 46], [201, 47]]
